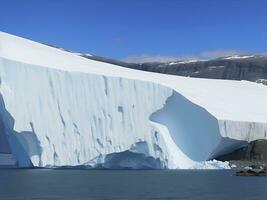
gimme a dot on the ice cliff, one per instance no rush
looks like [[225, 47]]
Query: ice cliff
[[60, 109]]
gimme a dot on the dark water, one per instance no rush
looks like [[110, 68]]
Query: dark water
[[122, 184]]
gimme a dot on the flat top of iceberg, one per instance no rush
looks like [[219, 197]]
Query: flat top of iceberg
[[225, 99]]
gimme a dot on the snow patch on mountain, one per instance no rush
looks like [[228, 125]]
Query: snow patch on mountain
[[261, 80], [183, 62], [239, 57]]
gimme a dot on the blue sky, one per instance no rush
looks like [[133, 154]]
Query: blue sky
[[141, 29]]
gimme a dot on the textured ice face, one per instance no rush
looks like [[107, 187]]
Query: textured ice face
[[77, 116]]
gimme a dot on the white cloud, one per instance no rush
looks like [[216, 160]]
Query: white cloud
[[220, 53], [154, 58], [149, 58]]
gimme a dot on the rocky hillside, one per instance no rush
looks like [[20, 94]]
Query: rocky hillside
[[251, 68], [254, 151]]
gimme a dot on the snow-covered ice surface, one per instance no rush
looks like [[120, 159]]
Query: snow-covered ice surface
[[60, 109]]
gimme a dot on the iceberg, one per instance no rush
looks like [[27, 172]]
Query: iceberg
[[60, 109]]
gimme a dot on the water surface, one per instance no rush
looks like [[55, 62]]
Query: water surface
[[47, 184]]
